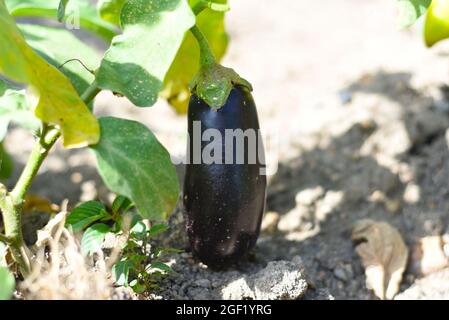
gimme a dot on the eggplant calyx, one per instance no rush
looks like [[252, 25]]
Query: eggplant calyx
[[213, 84]]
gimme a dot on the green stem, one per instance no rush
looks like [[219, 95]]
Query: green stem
[[207, 57], [90, 93], [37, 156]]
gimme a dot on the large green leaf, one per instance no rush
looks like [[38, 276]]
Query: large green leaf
[[58, 101], [436, 27], [88, 15], [138, 60], [133, 163], [7, 283], [46, 41], [411, 10], [186, 63]]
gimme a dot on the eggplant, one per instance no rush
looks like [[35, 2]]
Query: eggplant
[[224, 201]]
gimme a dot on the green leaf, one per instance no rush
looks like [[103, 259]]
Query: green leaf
[[133, 163], [58, 101], [61, 9], [6, 165], [93, 238], [16, 108], [186, 64], [410, 11], [83, 10], [110, 10], [137, 61], [120, 271], [46, 41], [157, 229], [85, 214], [139, 229], [121, 204], [7, 283], [436, 26], [161, 266]]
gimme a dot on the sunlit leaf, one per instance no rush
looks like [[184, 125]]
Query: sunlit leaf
[[7, 283], [58, 101], [85, 214], [110, 10], [93, 238], [138, 60], [436, 26]]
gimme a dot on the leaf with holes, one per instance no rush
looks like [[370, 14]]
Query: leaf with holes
[[133, 163], [86, 214], [93, 238], [58, 101], [137, 61]]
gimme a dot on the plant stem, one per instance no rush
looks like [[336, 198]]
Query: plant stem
[[37, 156], [4, 238], [207, 57], [90, 93]]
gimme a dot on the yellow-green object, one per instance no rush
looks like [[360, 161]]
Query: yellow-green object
[[436, 26], [58, 102]]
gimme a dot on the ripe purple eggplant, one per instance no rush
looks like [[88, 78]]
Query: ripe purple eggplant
[[224, 201]]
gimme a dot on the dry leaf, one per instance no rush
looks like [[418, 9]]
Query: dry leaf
[[384, 256], [34, 203], [428, 256]]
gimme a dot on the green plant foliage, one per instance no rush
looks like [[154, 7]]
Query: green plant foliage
[[436, 26], [133, 163], [411, 10], [61, 9], [121, 204], [93, 238], [46, 41], [186, 64], [58, 101], [7, 283], [16, 108], [85, 214], [88, 15], [110, 10], [138, 60], [120, 272]]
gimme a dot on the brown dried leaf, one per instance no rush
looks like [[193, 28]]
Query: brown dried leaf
[[384, 256]]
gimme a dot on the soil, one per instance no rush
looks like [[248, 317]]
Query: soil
[[361, 111]]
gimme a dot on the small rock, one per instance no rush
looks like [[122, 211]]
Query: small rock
[[412, 193], [328, 204], [340, 274], [270, 222], [292, 220], [279, 280], [308, 196], [432, 287], [204, 283]]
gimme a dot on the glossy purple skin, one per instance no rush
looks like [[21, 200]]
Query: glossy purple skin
[[224, 203]]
